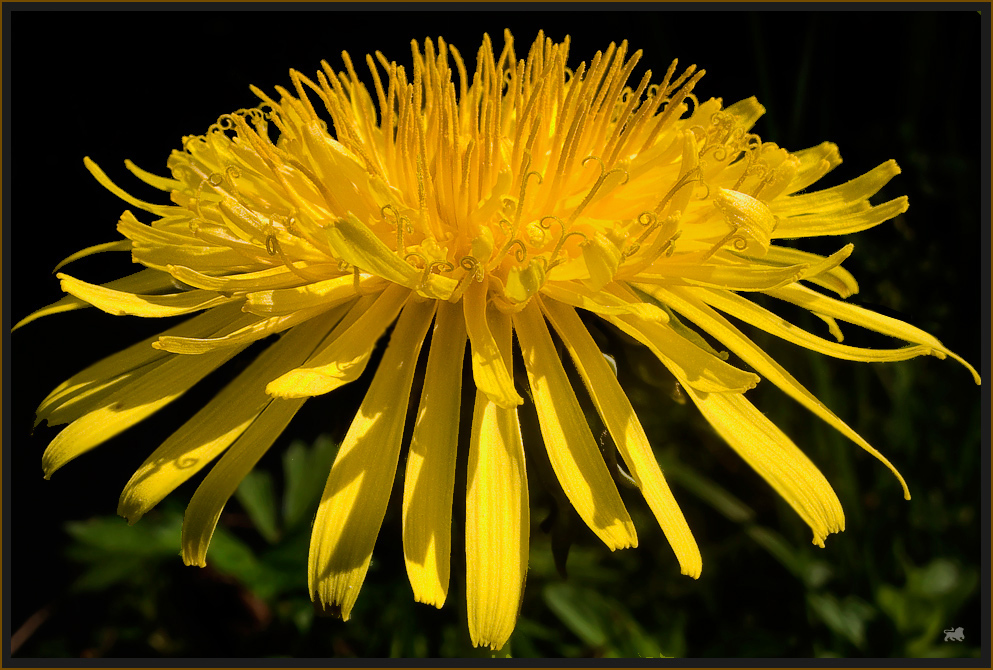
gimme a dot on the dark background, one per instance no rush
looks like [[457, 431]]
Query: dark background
[[907, 85]]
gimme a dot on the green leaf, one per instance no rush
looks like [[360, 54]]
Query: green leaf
[[257, 495], [305, 472], [582, 616]]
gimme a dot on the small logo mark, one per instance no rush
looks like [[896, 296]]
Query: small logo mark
[[954, 634]]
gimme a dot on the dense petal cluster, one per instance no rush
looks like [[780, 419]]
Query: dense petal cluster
[[480, 208]]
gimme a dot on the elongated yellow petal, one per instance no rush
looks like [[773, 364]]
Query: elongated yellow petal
[[154, 180], [620, 419], [101, 176], [85, 390], [601, 302], [118, 245], [746, 310], [831, 199], [120, 303], [835, 223], [344, 358], [218, 424], [815, 302], [429, 482], [497, 525], [815, 162], [774, 456], [732, 277], [271, 278], [130, 404], [359, 486], [701, 369], [158, 248], [488, 371], [749, 352], [572, 451], [280, 302], [825, 271], [351, 240], [144, 281], [210, 497], [256, 329]]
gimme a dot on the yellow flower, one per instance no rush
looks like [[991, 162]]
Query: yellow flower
[[477, 207]]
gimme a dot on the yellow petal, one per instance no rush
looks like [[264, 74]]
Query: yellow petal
[[254, 330], [429, 482], [826, 272], [749, 312], [602, 257], [621, 421], [359, 486], [733, 277], [488, 371], [601, 302], [717, 326], [522, 283], [120, 303], [270, 278], [497, 524], [780, 462], [815, 162], [283, 301], [130, 404], [701, 369], [119, 245], [161, 210], [154, 180], [827, 200], [352, 241], [218, 424], [572, 451], [838, 223], [159, 249], [750, 218], [210, 497], [345, 356], [815, 302], [85, 390], [144, 281]]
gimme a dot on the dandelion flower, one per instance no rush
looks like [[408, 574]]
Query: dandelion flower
[[481, 208]]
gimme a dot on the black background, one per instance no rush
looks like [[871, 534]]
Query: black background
[[908, 85]]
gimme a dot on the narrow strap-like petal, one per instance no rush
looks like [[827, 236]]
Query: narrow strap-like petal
[[119, 303], [358, 488], [220, 483], [735, 340], [130, 404], [497, 524], [143, 281], [620, 419], [283, 301], [815, 302], [774, 456], [751, 313], [429, 483], [218, 424], [86, 390], [701, 369], [344, 358], [492, 377], [572, 451]]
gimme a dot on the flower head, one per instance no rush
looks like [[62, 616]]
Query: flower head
[[480, 208]]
